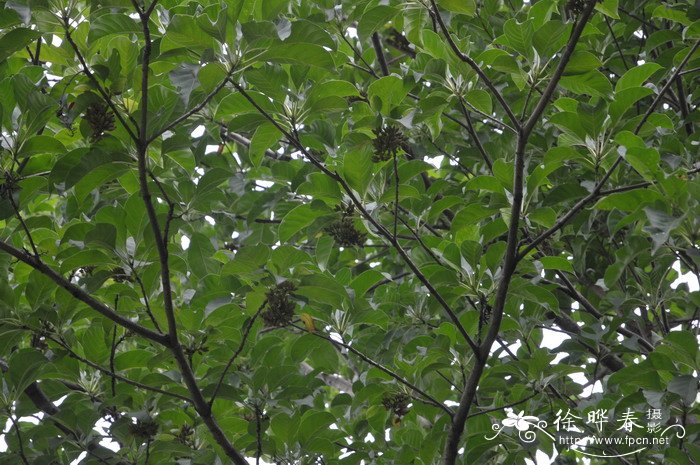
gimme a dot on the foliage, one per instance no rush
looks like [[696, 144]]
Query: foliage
[[277, 229]]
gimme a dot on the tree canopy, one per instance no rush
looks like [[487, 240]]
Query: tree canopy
[[347, 232]]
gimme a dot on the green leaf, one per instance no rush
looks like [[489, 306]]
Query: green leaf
[[593, 83], [673, 14], [660, 226], [389, 91], [15, 40], [519, 36], [465, 7], [685, 386], [582, 62], [113, 23], [199, 256], [366, 280], [556, 263], [185, 79], [635, 77], [265, 137], [183, 32], [628, 201], [24, 368], [357, 169], [481, 100], [298, 219], [40, 145], [375, 18], [608, 8]]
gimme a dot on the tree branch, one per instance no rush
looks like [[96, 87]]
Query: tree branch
[[194, 109], [200, 404], [377, 44], [431, 400], [96, 83], [511, 254], [465, 58], [83, 296], [237, 352], [19, 438], [596, 192], [472, 134], [381, 230]]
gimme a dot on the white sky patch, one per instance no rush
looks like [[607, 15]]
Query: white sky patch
[[209, 220], [198, 131], [262, 185], [595, 388], [689, 278], [435, 161], [336, 337], [512, 347], [184, 242]]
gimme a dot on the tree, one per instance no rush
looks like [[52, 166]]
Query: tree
[[344, 232]]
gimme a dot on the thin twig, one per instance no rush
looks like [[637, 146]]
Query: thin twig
[[495, 409], [86, 69], [595, 193], [473, 65], [114, 375], [431, 400], [19, 438], [472, 134], [237, 352], [381, 230], [24, 226]]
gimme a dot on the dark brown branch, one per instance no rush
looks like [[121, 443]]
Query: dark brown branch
[[194, 109], [103, 93], [381, 230], [431, 400], [200, 404], [114, 375], [511, 254], [595, 193], [81, 295], [20, 441], [473, 65], [237, 352], [377, 44]]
